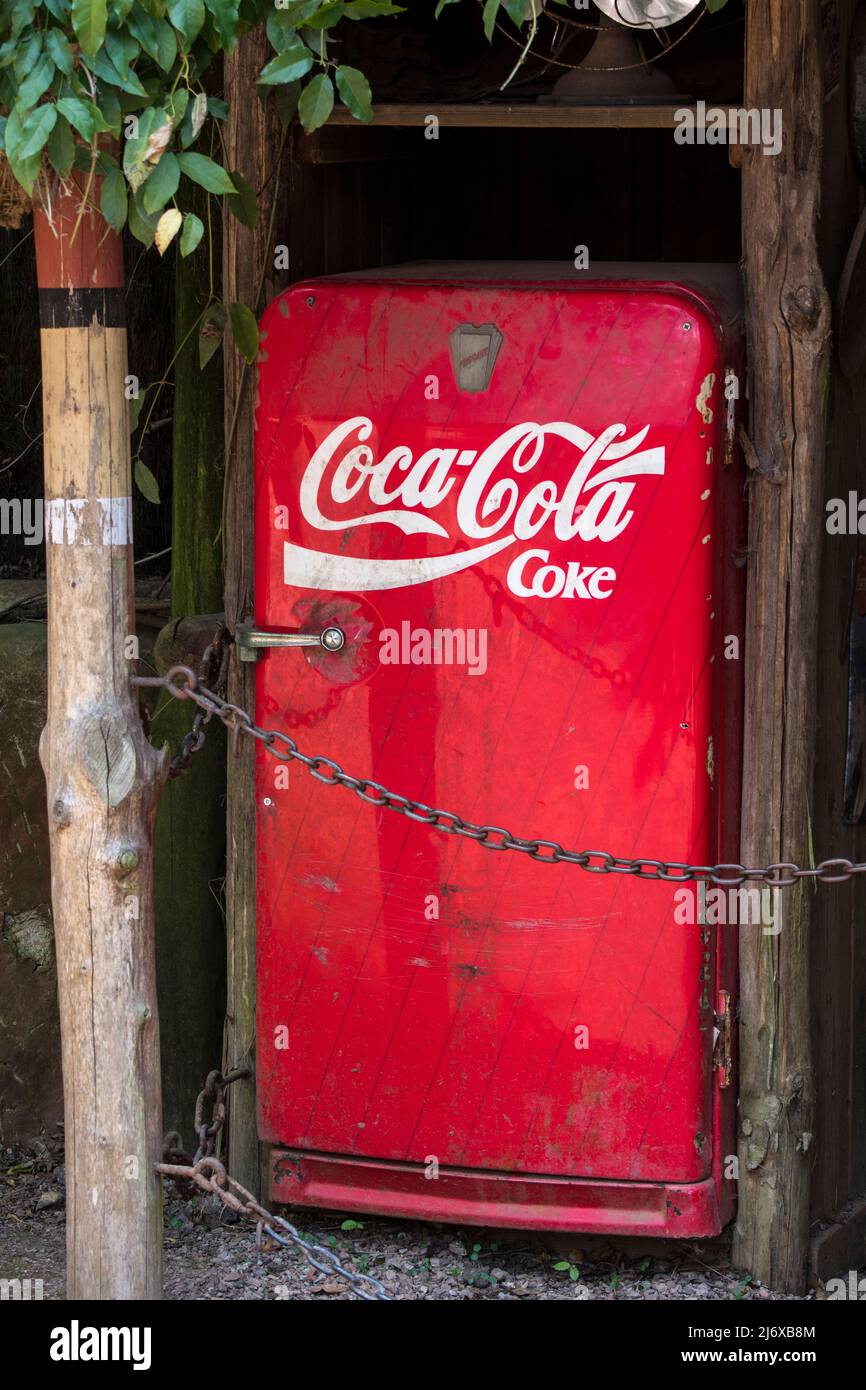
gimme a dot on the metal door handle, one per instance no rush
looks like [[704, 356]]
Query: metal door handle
[[252, 640]]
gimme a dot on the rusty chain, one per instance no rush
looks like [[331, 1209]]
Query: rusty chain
[[213, 670], [209, 1175], [182, 683], [215, 1092]]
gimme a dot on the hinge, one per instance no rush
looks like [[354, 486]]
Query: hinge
[[722, 1034]]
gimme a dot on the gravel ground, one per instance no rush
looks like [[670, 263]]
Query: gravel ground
[[210, 1255]]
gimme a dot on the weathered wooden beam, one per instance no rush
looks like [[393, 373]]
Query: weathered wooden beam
[[520, 116], [253, 145], [103, 776], [189, 834], [788, 316]]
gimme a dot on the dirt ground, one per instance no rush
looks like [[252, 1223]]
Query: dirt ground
[[211, 1255]]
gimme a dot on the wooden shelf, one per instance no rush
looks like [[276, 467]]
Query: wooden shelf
[[527, 116]]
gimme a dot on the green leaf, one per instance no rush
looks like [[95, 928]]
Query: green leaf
[[83, 115], [146, 482], [281, 29], [57, 45], [226, 21], [187, 16], [297, 12], [206, 173], [370, 9], [288, 66], [518, 11], [193, 231], [286, 102], [23, 56], [142, 224], [245, 330], [61, 147], [26, 170], [562, 1265], [122, 48], [243, 203], [59, 9], [135, 404], [316, 103], [27, 132], [112, 199], [105, 162], [143, 26], [217, 108], [355, 92], [25, 136], [326, 16], [127, 81], [176, 106], [89, 20], [211, 333], [142, 155], [162, 183], [166, 45], [37, 83], [109, 106], [22, 16], [491, 10], [713, 5]]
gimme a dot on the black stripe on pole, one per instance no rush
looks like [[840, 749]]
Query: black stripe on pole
[[80, 308]]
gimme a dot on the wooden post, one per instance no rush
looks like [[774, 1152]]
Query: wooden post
[[252, 145], [189, 836], [103, 776], [788, 324]]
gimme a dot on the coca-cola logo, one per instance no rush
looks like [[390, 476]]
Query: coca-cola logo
[[496, 498]]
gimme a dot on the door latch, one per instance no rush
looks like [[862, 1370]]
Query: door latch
[[250, 641]]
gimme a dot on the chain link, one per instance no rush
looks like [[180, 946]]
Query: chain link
[[209, 1175], [215, 1092], [213, 670], [182, 683]]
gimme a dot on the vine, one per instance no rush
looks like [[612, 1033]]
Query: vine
[[114, 89], [82, 79]]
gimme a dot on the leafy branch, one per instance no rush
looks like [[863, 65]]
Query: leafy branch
[[113, 88]]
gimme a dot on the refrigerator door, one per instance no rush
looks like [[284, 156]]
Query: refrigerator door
[[508, 497]]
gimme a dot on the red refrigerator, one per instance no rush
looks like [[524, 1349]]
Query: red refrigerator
[[515, 490]]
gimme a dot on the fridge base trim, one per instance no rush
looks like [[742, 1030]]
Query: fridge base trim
[[476, 1197]]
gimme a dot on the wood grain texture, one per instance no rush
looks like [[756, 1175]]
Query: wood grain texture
[[527, 117], [103, 782], [789, 326], [253, 146], [189, 835]]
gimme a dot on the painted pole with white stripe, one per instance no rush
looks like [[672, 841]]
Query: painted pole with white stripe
[[103, 776]]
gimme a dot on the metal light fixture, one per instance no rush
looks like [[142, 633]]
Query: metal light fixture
[[615, 71]]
